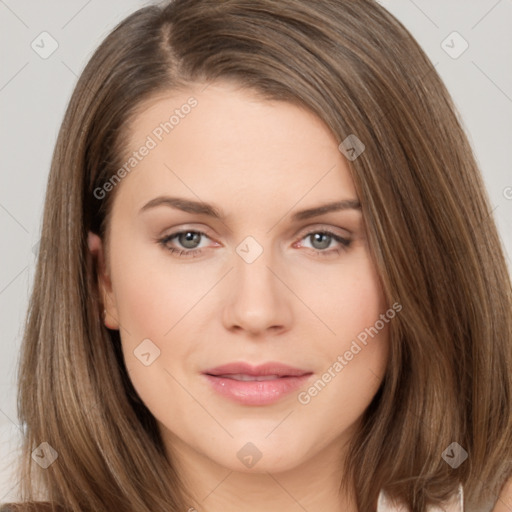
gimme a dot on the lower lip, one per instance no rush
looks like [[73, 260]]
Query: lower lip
[[261, 392]]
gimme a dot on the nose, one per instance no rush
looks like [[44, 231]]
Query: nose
[[258, 301]]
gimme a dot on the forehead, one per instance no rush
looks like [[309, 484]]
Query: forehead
[[230, 143]]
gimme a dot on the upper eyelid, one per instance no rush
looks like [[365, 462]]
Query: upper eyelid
[[315, 227], [324, 227]]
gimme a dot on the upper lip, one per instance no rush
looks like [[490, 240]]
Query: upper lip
[[272, 368]]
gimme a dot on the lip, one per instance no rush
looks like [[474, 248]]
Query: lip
[[256, 392]]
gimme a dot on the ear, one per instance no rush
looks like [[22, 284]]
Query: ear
[[104, 283]]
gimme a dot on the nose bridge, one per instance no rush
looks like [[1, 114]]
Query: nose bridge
[[252, 270], [257, 300], [254, 279]]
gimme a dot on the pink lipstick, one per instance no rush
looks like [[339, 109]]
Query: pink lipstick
[[256, 385]]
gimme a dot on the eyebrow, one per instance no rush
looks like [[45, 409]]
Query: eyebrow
[[202, 208]]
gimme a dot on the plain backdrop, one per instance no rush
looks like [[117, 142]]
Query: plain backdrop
[[35, 88]]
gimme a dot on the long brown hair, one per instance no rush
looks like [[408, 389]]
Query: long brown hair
[[430, 231]]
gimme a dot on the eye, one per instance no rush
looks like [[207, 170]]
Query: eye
[[325, 239], [187, 242], [188, 239]]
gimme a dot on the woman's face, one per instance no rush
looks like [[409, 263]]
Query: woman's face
[[258, 283]]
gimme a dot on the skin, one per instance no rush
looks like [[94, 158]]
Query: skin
[[259, 162]]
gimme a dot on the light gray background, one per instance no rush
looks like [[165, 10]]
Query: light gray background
[[34, 93]]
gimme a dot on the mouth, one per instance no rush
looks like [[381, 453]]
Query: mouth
[[250, 378], [256, 385], [272, 369]]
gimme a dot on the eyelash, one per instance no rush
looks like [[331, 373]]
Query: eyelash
[[187, 253]]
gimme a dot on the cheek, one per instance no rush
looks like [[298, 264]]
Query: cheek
[[354, 307], [152, 293], [355, 359], [156, 300], [350, 300], [152, 299]]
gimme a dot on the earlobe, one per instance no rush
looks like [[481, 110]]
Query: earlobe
[[109, 310]]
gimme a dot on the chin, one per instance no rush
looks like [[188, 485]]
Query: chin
[[255, 454]]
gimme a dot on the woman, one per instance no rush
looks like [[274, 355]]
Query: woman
[[268, 275]]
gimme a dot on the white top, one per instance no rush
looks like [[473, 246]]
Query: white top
[[455, 504]]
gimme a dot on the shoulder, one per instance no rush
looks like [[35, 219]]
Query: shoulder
[[504, 503]]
